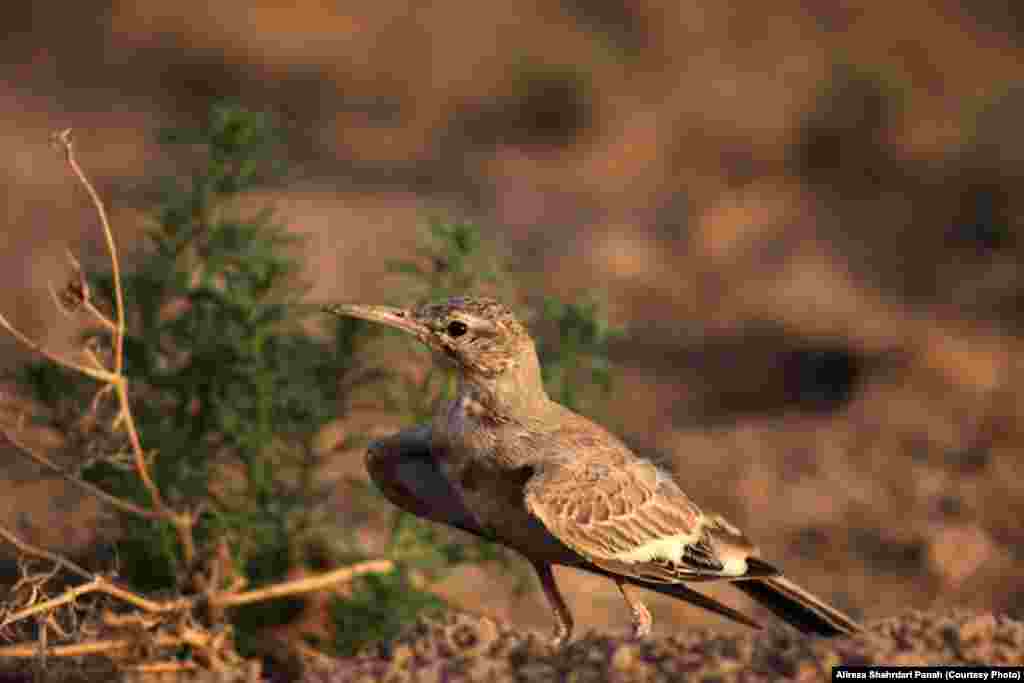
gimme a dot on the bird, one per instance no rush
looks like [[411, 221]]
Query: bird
[[505, 462]]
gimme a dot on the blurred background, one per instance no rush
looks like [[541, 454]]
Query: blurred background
[[807, 220]]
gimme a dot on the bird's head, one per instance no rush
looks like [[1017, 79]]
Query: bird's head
[[480, 335]]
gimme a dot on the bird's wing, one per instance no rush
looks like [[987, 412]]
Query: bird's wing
[[406, 471], [629, 517]]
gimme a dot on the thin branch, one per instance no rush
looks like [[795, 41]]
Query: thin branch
[[64, 137], [181, 522], [98, 314], [99, 375], [169, 666], [113, 590], [120, 504], [306, 585], [29, 549], [99, 584], [83, 286], [94, 647], [159, 624]]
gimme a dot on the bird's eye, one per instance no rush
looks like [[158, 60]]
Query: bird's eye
[[457, 328]]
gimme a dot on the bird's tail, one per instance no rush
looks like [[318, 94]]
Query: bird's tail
[[798, 607]]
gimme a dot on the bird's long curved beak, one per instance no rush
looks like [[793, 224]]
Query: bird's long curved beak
[[392, 316]]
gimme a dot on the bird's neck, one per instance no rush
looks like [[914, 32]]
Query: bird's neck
[[517, 393]]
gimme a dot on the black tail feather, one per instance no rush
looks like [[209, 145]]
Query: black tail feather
[[799, 608]]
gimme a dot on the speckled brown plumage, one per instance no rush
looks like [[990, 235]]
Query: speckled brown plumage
[[504, 461]]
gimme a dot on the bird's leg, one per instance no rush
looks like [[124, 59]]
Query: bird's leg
[[641, 615], [559, 610]]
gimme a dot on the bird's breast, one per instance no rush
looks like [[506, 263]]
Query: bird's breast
[[473, 456], [468, 429]]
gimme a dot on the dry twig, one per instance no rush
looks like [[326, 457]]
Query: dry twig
[[135, 637]]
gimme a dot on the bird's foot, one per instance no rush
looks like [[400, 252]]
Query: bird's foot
[[641, 620], [560, 636], [641, 615]]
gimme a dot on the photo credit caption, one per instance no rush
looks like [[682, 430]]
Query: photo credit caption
[[928, 673]]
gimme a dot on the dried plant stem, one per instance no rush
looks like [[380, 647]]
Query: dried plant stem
[[30, 549], [181, 521], [64, 138], [96, 373], [92, 647], [160, 624], [119, 503], [118, 379], [98, 584], [195, 636], [305, 585]]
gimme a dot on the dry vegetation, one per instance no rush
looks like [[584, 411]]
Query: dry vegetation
[[809, 221], [134, 632]]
